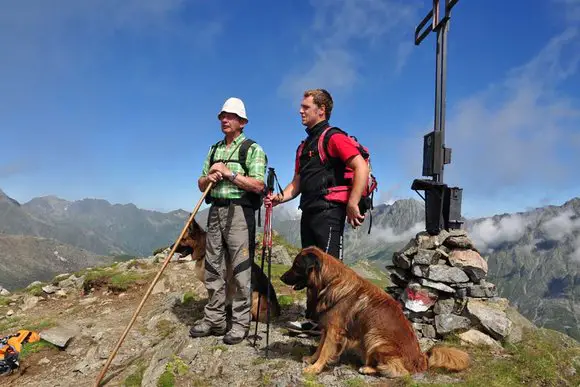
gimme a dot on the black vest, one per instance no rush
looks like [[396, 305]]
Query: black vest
[[316, 177]]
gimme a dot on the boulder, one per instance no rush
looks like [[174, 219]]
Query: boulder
[[471, 262]]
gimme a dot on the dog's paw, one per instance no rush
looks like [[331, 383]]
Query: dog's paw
[[313, 369], [308, 359], [368, 370]]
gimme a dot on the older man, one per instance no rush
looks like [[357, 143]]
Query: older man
[[236, 165]]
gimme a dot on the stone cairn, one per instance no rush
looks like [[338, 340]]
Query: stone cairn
[[441, 282]]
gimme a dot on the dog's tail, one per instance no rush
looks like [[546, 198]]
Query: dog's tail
[[449, 358]]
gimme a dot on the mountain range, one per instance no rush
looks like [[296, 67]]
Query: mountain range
[[533, 256]]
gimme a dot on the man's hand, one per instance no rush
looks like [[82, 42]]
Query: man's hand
[[214, 177], [272, 199], [221, 168], [353, 215]]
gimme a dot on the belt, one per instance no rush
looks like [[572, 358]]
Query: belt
[[219, 202]]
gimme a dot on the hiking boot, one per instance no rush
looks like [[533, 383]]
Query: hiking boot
[[235, 336], [308, 327], [204, 328]]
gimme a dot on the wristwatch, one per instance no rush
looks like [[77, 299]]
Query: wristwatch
[[234, 175]]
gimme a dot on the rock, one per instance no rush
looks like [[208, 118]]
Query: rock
[[471, 262], [426, 257], [483, 290], [448, 323], [475, 337], [72, 282], [418, 299], [60, 335], [520, 324], [159, 287], [410, 249], [436, 285], [10, 312], [426, 344], [420, 270], [35, 283], [280, 256], [29, 302], [444, 306], [187, 258], [4, 292], [440, 273], [431, 242], [493, 319], [43, 361], [401, 260], [87, 300], [462, 242], [49, 289], [428, 330], [61, 293], [398, 276]]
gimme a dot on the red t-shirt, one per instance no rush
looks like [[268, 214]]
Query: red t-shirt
[[339, 146]]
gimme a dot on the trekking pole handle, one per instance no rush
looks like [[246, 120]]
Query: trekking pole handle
[[270, 180]]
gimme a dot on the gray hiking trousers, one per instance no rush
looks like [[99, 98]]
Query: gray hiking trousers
[[230, 246]]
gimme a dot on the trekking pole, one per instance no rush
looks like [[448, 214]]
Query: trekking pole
[[268, 227], [267, 243], [269, 279], [165, 263]]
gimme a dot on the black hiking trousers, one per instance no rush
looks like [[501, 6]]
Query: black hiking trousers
[[324, 229]]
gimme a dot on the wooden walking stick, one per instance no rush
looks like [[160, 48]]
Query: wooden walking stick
[[165, 263]]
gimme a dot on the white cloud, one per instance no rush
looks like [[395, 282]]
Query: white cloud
[[340, 30], [490, 233], [571, 9], [561, 225], [332, 69], [388, 235], [521, 132]]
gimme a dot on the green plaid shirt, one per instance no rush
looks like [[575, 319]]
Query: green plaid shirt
[[256, 163]]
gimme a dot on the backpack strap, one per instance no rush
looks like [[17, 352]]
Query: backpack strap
[[243, 153], [299, 153], [212, 154], [324, 139]]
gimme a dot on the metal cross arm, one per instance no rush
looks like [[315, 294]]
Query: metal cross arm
[[436, 24]]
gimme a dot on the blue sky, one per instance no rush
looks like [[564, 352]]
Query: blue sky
[[117, 99]]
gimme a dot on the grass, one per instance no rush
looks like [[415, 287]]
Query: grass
[[40, 325], [355, 382], [136, 378], [543, 358], [175, 368], [189, 297], [30, 348], [116, 281], [5, 301], [164, 328], [35, 290], [311, 381], [9, 323]]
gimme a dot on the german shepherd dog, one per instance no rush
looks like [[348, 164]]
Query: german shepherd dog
[[357, 315], [193, 242]]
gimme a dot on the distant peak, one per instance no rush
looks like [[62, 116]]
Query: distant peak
[[6, 198]]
